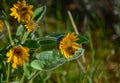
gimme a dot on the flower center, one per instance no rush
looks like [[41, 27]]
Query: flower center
[[70, 50], [23, 10], [17, 51]]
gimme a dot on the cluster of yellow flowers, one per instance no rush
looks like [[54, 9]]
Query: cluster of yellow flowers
[[17, 55], [24, 14]]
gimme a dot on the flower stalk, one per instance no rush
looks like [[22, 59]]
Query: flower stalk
[[8, 73], [12, 43], [22, 79], [9, 32], [34, 76]]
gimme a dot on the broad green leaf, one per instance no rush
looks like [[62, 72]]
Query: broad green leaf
[[81, 39], [39, 12], [37, 64], [55, 34], [51, 60], [31, 44], [47, 44], [20, 30]]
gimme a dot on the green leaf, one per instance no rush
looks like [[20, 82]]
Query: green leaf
[[47, 44], [81, 39], [55, 34], [31, 44], [51, 60], [37, 64], [39, 12], [20, 30]]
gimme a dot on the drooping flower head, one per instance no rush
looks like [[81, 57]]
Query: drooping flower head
[[31, 26], [22, 12], [68, 45], [18, 55], [1, 25]]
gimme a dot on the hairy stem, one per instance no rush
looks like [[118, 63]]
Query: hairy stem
[[8, 73], [34, 76], [22, 79], [9, 32]]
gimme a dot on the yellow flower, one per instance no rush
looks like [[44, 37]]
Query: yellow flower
[[68, 45], [1, 25], [31, 26], [22, 12], [18, 55]]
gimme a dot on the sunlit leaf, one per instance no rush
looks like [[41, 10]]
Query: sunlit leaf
[[52, 59], [81, 39], [37, 64], [39, 12], [20, 30]]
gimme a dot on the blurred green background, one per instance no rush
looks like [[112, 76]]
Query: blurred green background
[[97, 20]]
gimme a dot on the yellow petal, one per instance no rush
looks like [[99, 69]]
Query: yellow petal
[[13, 9], [14, 65], [10, 58], [16, 15], [15, 59], [13, 13], [19, 19], [9, 53], [26, 59], [20, 61], [30, 6]]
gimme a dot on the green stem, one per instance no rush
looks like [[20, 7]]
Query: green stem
[[34, 76], [22, 79], [30, 77], [91, 47], [9, 33], [81, 66], [24, 37], [8, 73]]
